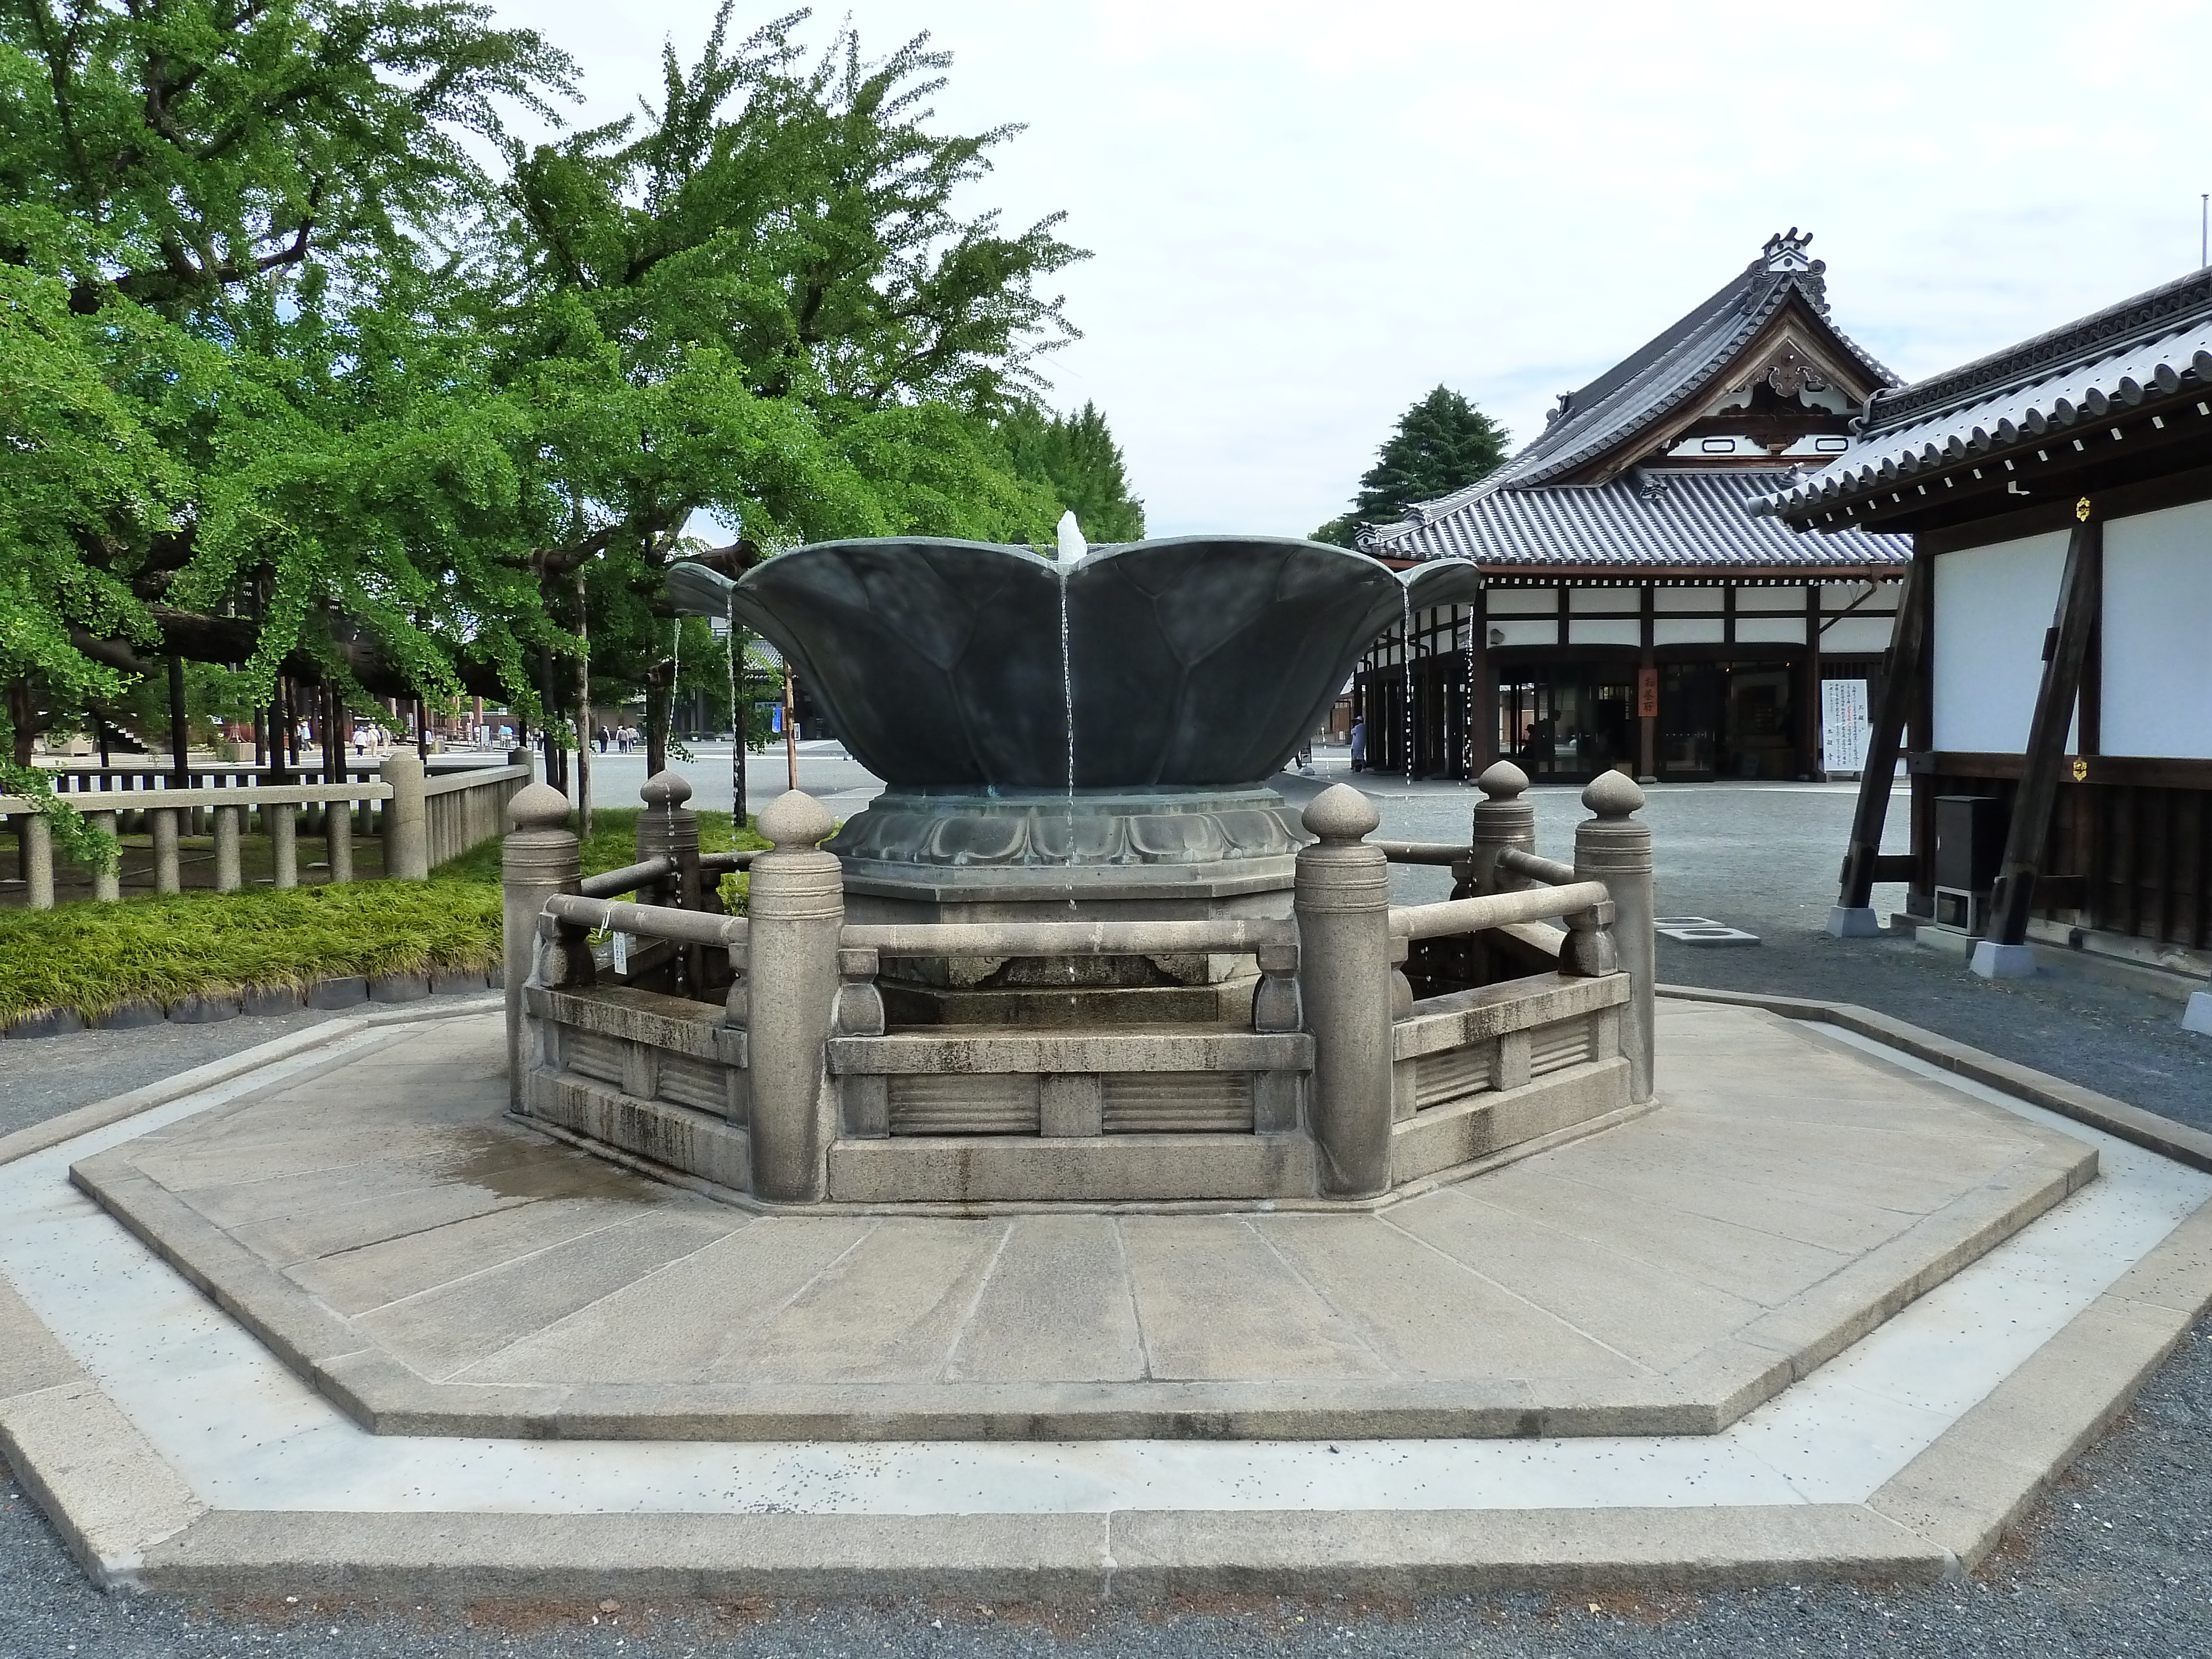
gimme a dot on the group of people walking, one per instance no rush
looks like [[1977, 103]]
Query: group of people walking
[[624, 737]]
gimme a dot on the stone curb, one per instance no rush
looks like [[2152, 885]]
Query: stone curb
[[2178, 1141], [108, 1492], [202, 1008], [102, 1112]]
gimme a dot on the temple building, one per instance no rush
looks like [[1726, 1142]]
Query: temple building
[[1636, 614], [2053, 686]]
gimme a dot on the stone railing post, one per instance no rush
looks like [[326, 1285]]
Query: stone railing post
[[168, 867], [1502, 820], [668, 829], [797, 913], [540, 859], [283, 844], [34, 842], [1614, 847], [1341, 899], [226, 827], [406, 818], [337, 830], [106, 878]]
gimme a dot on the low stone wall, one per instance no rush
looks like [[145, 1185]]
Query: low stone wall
[[791, 1089]]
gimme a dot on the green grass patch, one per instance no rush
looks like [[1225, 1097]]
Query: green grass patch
[[92, 957]]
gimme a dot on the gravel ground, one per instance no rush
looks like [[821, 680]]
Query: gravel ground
[[2117, 1561]]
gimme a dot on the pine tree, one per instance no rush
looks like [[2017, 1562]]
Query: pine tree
[[1443, 443]]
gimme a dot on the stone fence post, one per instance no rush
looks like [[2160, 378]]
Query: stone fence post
[[796, 915], [668, 829], [406, 820], [1502, 820], [1614, 848], [1341, 898], [34, 841], [540, 859]]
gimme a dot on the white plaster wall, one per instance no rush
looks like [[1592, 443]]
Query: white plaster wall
[[1689, 599], [1522, 601], [1686, 630], [2158, 633], [1770, 630], [1857, 635], [1770, 598], [1605, 599], [1993, 606], [1524, 633], [1628, 631]]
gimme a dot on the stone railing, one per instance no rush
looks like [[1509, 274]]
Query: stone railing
[[425, 821], [788, 1088]]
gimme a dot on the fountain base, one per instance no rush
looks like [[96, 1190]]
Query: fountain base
[[920, 857], [1012, 851]]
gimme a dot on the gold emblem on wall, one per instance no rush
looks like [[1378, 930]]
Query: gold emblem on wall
[[2081, 770], [2082, 509]]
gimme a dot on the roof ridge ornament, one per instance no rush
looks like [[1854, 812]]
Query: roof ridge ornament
[[1785, 256]]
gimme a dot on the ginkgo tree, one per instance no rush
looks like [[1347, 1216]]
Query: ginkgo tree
[[295, 382]]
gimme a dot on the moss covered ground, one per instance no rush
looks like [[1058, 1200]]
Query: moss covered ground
[[92, 957]]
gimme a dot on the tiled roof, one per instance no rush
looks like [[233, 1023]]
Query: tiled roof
[[1657, 377], [1649, 519], [2155, 348]]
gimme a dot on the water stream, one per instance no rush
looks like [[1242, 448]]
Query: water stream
[[736, 718], [1406, 655]]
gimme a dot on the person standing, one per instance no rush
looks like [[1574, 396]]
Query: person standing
[[1360, 743]]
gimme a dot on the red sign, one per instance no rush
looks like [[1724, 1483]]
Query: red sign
[[1647, 693]]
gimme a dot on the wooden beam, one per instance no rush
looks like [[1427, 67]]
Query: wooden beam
[[2014, 895], [1900, 673]]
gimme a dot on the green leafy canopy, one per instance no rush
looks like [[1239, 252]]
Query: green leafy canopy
[[1443, 443]]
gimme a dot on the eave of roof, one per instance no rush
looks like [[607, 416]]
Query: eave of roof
[[2145, 358], [1670, 522]]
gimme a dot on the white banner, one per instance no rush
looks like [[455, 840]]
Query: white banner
[[1845, 726]]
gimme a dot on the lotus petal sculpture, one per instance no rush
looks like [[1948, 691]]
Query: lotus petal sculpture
[[1193, 662]]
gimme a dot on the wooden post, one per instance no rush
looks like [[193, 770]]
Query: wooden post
[[1482, 712], [2004, 952], [1646, 691], [790, 731], [1809, 723], [1853, 916]]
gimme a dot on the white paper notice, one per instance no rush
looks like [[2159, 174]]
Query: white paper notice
[[1845, 726]]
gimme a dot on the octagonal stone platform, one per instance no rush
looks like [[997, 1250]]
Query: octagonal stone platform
[[438, 1268]]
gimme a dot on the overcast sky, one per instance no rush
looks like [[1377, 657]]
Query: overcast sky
[[1305, 215]]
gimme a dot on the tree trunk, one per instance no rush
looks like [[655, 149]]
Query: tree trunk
[[181, 727], [20, 716]]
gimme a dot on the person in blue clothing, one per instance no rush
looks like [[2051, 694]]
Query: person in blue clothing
[[1359, 744]]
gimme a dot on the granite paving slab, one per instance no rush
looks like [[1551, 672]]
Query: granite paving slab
[[430, 1262]]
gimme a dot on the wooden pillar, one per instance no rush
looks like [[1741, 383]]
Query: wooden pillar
[[1647, 704], [1809, 723], [1901, 687], [2066, 650], [1482, 708]]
